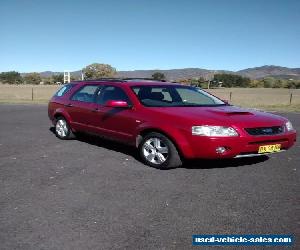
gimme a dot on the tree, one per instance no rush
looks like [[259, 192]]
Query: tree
[[194, 82], [47, 80], [292, 84], [278, 83], [185, 81], [232, 80], [75, 78], [200, 82], [58, 78], [256, 84], [11, 77], [159, 76], [32, 78], [268, 82], [98, 70]]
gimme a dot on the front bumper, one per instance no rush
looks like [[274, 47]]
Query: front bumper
[[236, 147], [255, 155]]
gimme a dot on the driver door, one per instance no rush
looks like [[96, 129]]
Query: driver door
[[115, 123]]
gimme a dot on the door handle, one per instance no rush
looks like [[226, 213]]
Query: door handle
[[95, 110], [68, 105]]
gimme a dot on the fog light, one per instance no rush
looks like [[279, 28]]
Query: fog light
[[220, 150]]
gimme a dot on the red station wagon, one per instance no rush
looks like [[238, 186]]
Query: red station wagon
[[166, 122]]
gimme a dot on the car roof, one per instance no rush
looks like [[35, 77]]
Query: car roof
[[128, 81]]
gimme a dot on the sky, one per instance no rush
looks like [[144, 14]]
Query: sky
[[57, 35]]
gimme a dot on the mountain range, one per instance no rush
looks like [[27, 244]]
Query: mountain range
[[175, 74]]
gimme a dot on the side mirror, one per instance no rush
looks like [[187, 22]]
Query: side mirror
[[226, 101], [117, 104]]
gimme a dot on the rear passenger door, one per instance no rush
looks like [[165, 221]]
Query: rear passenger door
[[80, 106]]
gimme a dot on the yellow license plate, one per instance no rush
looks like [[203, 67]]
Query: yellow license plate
[[269, 148]]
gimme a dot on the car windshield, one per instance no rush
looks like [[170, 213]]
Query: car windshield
[[175, 96]]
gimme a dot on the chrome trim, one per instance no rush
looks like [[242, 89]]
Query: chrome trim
[[253, 155]]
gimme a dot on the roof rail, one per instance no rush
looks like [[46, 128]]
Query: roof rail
[[108, 79], [142, 78], [102, 79], [111, 79]]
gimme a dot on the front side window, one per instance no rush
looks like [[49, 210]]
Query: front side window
[[174, 96], [85, 94], [112, 93]]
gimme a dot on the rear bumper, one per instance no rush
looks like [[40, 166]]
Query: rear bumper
[[236, 147]]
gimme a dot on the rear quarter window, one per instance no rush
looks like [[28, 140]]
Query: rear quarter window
[[64, 89]]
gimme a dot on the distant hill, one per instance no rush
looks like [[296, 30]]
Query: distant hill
[[271, 71], [47, 73], [174, 74]]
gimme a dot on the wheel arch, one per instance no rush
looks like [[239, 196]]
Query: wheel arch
[[65, 115], [58, 115], [61, 112]]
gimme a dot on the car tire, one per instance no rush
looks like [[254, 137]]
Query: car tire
[[158, 151], [62, 129]]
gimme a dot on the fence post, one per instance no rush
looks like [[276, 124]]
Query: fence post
[[32, 94], [230, 95], [291, 98]]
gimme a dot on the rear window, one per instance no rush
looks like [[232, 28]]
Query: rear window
[[64, 89]]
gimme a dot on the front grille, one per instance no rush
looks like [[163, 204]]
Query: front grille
[[265, 130]]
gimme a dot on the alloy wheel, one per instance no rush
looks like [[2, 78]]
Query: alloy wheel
[[61, 128], [155, 151]]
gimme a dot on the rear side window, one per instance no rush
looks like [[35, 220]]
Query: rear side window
[[64, 89], [85, 94]]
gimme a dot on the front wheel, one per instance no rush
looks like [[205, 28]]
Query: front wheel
[[158, 151], [62, 129]]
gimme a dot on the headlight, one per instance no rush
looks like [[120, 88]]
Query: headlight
[[289, 126], [214, 131]]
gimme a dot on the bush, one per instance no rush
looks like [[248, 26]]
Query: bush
[[32, 78], [11, 77]]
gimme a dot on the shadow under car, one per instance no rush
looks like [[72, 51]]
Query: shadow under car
[[187, 164]]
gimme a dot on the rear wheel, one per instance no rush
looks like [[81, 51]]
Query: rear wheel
[[158, 151], [62, 129]]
